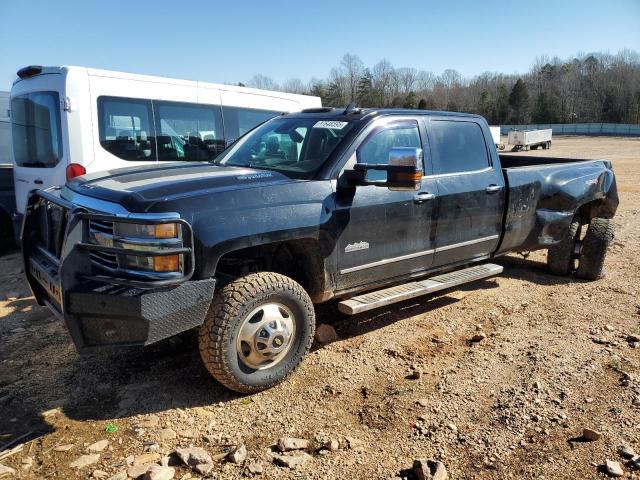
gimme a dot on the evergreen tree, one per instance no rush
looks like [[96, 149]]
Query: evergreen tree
[[518, 100], [410, 100], [364, 91]]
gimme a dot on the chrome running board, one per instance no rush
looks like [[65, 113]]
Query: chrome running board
[[406, 291]]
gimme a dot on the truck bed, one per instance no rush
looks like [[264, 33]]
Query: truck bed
[[544, 194]]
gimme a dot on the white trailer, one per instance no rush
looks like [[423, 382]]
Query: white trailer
[[530, 139], [495, 134]]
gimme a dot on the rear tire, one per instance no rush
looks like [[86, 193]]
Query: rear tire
[[240, 344], [594, 249], [561, 257]]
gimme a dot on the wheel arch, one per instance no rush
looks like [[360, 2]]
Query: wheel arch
[[301, 259]]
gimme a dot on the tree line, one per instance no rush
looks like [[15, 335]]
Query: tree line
[[595, 87]]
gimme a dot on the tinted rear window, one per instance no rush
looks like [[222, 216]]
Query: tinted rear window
[[35, 126], [457, 146]]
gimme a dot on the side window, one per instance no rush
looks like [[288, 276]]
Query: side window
[[125, 127], [376, 147], [238, 120], [457, 146], [188, 131]]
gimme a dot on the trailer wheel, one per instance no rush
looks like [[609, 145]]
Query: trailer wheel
[[258, 329], [533, 147], [593, 249], [561, 257], [548, 144], [544, 145]]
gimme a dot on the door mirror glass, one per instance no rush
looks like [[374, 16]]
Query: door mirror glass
[[405, 172]]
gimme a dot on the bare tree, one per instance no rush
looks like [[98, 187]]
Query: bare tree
[[261, 81]]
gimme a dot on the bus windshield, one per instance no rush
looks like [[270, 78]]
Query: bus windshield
[[296, 147]]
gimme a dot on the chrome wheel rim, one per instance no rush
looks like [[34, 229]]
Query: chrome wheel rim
[[266, 336]]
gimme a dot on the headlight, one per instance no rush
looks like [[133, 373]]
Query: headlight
[[161, 231], [141, 238]]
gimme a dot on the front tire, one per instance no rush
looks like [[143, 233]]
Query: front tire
[[257, 331]]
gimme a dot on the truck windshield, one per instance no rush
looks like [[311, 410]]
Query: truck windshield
[[296, 147], [35, 125]]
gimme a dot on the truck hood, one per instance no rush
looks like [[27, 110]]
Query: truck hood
[[137, 188]]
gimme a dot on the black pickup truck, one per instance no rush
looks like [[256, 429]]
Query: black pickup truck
[[366, 207]]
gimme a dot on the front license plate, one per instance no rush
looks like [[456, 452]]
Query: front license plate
[[47, 277]]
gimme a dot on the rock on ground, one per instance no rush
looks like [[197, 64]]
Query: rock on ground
[[119, 476], [286, 444], [427, 469], [613, 469], [98, 446], [591, 435], [292, 461], [6, 471], [326, 334], [139, 469], [626, 451], [63, 448], [85, 460], [238, 454], [156, 472], [197, 458]]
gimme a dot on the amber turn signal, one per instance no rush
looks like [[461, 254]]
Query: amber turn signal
[[166, 230], [166, 263]]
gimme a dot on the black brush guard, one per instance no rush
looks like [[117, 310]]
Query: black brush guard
[[102, 309]]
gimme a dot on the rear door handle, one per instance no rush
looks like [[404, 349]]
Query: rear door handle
[[423, 197], [493, 188]]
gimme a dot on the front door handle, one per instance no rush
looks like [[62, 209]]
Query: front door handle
[[493, 188], [423, 197], [38, 182]]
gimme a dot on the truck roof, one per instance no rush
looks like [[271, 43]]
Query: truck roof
[[360, 113]]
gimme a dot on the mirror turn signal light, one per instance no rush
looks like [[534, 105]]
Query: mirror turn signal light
[[166, 263]]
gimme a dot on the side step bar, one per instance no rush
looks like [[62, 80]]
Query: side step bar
[[406, 291]]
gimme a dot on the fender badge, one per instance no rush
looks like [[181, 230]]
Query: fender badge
[[354, 247]]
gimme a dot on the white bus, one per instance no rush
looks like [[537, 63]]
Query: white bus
[[68, 121]]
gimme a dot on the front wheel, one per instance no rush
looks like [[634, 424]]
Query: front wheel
[[257, 331]]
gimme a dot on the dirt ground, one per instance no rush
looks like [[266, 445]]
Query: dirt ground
[[557, 358]]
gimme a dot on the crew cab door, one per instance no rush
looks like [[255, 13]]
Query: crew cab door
[[384, 234], [471, 190]]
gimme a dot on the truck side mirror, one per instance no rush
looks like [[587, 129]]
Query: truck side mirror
[[404, 170]]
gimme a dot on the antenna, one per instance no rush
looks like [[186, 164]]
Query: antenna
[[351, 108]]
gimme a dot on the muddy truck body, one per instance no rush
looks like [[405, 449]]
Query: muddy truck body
[[362, 207]]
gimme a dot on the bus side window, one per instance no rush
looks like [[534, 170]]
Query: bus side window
[[188, 131], [239, 120], [125, 128]]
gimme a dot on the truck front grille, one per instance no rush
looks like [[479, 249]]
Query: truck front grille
[[99, 259]]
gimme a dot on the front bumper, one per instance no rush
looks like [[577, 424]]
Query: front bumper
[[102, 311]]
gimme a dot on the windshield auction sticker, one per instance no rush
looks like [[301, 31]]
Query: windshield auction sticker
[[333, 125]]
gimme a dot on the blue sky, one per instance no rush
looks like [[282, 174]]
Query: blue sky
[[229, 41]]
